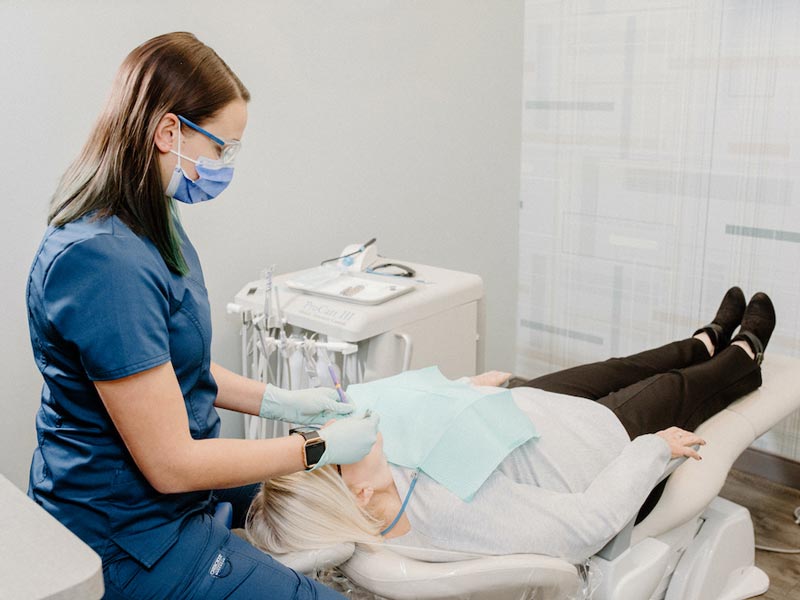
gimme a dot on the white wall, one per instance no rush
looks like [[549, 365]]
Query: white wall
[[386, 118]]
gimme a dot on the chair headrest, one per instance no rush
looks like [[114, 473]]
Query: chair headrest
[[311, 561]]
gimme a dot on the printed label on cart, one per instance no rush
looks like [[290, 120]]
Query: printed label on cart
[[338, 316]]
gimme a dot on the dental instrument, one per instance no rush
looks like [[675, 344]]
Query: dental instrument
[[405, 270], [404, 504], [337, 384], [310, 363], [267, 276], [347, 261]]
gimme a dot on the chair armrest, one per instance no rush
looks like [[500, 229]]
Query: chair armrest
[[622, 541]]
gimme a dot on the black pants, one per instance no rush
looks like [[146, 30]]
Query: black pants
[[676, 384]]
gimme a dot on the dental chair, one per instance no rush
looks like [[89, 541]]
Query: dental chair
[[692, 546]]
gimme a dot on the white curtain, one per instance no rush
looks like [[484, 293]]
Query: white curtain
[[660, 166]]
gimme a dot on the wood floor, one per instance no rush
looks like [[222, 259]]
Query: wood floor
[[771, 507]]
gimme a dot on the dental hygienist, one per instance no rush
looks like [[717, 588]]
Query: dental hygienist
[[128, 453]]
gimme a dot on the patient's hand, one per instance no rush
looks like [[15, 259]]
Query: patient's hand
[[491, 378], [680, 442]]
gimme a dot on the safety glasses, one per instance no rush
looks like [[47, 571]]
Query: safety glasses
[[230, 148]]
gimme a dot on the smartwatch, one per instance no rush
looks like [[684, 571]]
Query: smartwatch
[[313, 447]]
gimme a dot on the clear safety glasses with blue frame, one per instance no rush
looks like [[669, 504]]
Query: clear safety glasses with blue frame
[[230, 148]]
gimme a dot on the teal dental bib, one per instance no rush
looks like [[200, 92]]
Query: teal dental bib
[[453, 432]]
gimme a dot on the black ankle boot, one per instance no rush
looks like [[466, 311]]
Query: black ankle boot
[[728, 317], [758, 323]]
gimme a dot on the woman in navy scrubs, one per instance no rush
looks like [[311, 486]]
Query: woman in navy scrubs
[[128, 453]]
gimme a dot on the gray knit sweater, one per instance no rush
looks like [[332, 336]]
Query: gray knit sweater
[[566, 494]]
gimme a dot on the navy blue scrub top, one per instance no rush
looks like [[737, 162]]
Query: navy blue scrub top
[[103, 305]]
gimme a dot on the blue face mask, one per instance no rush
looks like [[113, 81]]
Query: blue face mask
[[213, 176]]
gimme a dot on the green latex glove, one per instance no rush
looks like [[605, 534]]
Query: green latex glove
[[312, 406], [349, 440]]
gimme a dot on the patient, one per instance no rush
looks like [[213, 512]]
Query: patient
[[606, 432]]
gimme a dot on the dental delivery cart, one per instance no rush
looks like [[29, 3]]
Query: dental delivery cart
[[362, 325]]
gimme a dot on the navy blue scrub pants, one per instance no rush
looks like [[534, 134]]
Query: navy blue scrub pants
[[210, 562]]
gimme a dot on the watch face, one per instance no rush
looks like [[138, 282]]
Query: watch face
[[314, 452]]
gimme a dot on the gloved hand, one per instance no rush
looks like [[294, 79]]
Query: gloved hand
[[349, 440], [312, 406]]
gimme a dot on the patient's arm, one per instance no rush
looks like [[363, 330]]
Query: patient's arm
[[510, 517]]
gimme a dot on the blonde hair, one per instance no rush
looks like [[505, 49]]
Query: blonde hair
[[306, 511], [117, 172]]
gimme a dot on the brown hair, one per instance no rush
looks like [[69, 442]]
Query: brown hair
[[117, 171]]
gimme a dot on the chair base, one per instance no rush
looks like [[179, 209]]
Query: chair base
[[633, 574], [719, 563], [711, 558], [747, 583]]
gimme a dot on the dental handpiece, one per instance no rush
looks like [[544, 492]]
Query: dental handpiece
[[337, 385]]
